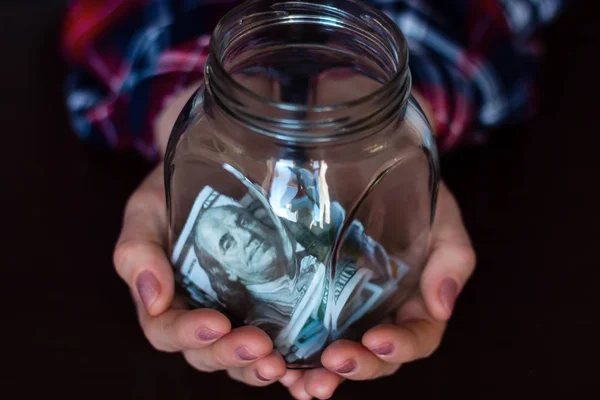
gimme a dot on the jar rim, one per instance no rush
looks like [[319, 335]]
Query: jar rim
[[400, 48]]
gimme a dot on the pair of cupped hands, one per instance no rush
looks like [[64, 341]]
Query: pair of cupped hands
[[206, 339]]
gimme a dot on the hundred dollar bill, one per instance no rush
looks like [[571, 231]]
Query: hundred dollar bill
[[348, 285], [352, 297], [311, 339], [296, 197], [299, 196], [323, 310], [233, 256]]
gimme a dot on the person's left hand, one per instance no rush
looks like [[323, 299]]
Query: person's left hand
[[417, 327]]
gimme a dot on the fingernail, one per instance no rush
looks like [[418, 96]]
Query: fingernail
[[245, 354], [346, 367], [384, 349], [448, 293], [207, 334], [260, 377], [147, 287]]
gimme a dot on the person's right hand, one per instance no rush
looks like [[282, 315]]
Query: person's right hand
[[204, 336]]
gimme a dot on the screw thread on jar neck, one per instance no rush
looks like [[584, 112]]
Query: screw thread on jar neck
[[308, 72]]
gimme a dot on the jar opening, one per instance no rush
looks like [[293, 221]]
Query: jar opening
[[308, 69]]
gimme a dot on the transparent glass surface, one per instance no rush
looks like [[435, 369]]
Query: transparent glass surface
[[301, 176]]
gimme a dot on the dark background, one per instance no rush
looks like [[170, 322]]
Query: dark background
[[524, 326]]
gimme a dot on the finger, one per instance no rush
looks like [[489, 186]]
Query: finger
[[241, 347], [139, 255], [452, 259], [263, 372], [291, 376], [390, 369], [179, 329], [298, 391], [351, 360], [165, 120], [321, 383], [398, 344]]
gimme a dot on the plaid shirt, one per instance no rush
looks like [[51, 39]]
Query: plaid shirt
[[475, 61]]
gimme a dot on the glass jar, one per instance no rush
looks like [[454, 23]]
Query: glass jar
[[301, 177]]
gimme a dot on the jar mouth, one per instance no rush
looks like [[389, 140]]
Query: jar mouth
[[346, 32]]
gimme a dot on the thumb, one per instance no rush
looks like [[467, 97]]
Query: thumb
[[139, 256], [451, 261]]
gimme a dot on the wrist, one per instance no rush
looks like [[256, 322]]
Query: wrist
[[165, 120], [427, 109]]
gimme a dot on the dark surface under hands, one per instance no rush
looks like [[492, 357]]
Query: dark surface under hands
[[524, 326]]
